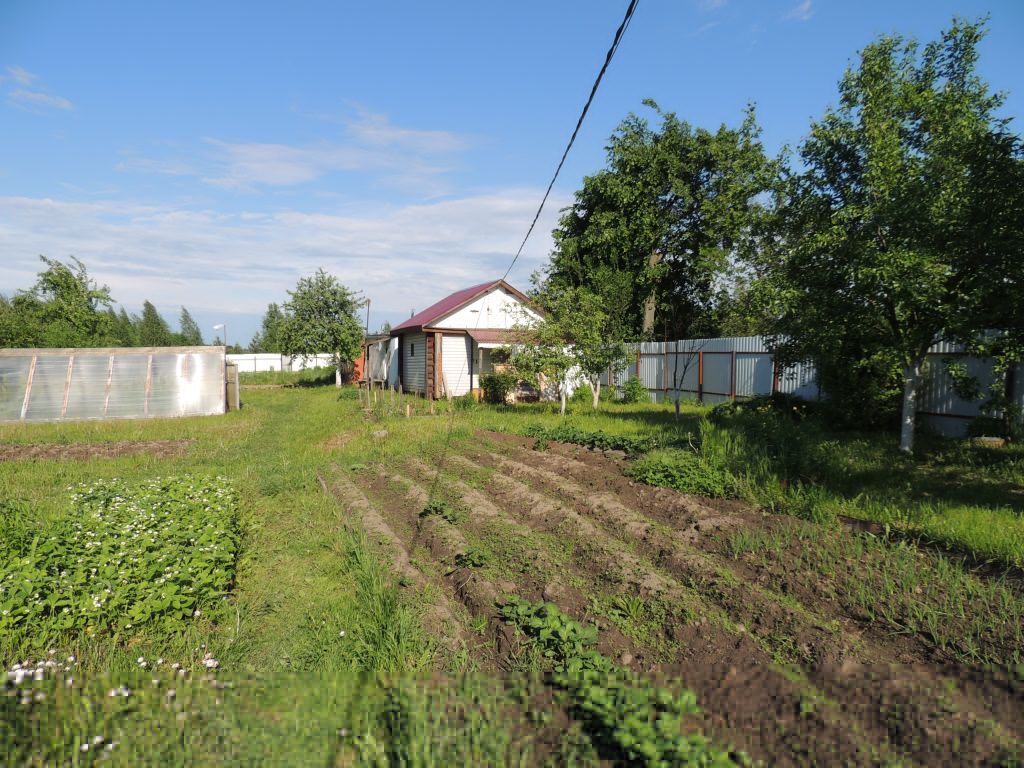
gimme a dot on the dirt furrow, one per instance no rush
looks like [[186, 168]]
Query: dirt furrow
[[846, 665], [439, 617], [402, 500], [736, 682]]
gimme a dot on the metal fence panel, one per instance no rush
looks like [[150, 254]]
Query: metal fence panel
[[754, 374], [718, 373]]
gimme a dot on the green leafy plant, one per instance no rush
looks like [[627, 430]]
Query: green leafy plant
[[639, 723], [472, 558], [498, 386], [686, 471], [598, 440], [634, 391], [442, 509], [129, 555]]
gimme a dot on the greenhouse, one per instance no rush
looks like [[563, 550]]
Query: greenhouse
[[112, 383]]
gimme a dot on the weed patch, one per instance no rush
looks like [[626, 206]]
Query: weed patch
[[685, 471], [598, 440]]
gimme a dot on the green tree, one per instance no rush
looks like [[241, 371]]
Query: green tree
[[153, 330], [268, 338], [189, 333], [905, 223], [126, 328], [575, 334], [321, 316], [65, 308], [653, 232]]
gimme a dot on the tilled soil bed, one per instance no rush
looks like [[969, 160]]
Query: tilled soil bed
[[80, 451], [758, 614]]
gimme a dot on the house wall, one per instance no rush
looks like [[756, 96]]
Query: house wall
[[496, 309], [414, 363], [455, 363]]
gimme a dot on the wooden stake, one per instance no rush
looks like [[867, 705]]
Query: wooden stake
[[408, 411]]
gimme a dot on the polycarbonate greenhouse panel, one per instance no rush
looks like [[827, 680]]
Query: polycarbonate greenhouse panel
[[114, 383]]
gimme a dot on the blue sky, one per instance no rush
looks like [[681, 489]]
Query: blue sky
[[210, 154]]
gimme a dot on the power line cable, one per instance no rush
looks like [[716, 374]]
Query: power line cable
[[579, 123]]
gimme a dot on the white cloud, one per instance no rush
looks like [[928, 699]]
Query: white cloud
[[35, 98], [20, 76], [209, 261], [704, 28], [400, 157], [375, 129], [802, 12], [38, 99]]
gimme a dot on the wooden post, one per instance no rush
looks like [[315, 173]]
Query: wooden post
[[408, 410], [429, 372], [67, 387], [106, 391], [638, 362], [441, 384], [700, 376], [149, 385], [28, 387], [775, 375]]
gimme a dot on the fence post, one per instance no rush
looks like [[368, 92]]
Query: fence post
[[638, 361], [700, 376], [732, 379], [664, 369], [775, 375]]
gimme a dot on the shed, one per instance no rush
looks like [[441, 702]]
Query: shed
[[443, 350]]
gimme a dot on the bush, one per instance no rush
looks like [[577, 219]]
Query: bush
[[634, 391], [583, 394], [497, 386], [684, 471]]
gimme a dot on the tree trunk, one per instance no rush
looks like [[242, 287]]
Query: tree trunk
[[563, 397], [911, 381], [595, 389], [337, 370], [651, 303], [677, 407]]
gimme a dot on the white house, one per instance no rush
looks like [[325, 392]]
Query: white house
[[443, 350]]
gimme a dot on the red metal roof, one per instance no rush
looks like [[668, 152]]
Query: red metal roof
[[491, 335], [450, 303]]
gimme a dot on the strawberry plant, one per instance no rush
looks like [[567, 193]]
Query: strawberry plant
[[128, 555]]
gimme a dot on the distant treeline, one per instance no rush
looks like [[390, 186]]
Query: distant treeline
[[66, 308]]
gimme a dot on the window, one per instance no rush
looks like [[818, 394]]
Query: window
[[412, 349]]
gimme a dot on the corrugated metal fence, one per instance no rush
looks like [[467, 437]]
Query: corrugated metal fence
[[715, 370]]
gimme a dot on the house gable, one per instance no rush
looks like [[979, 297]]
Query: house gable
[[497, 308]]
